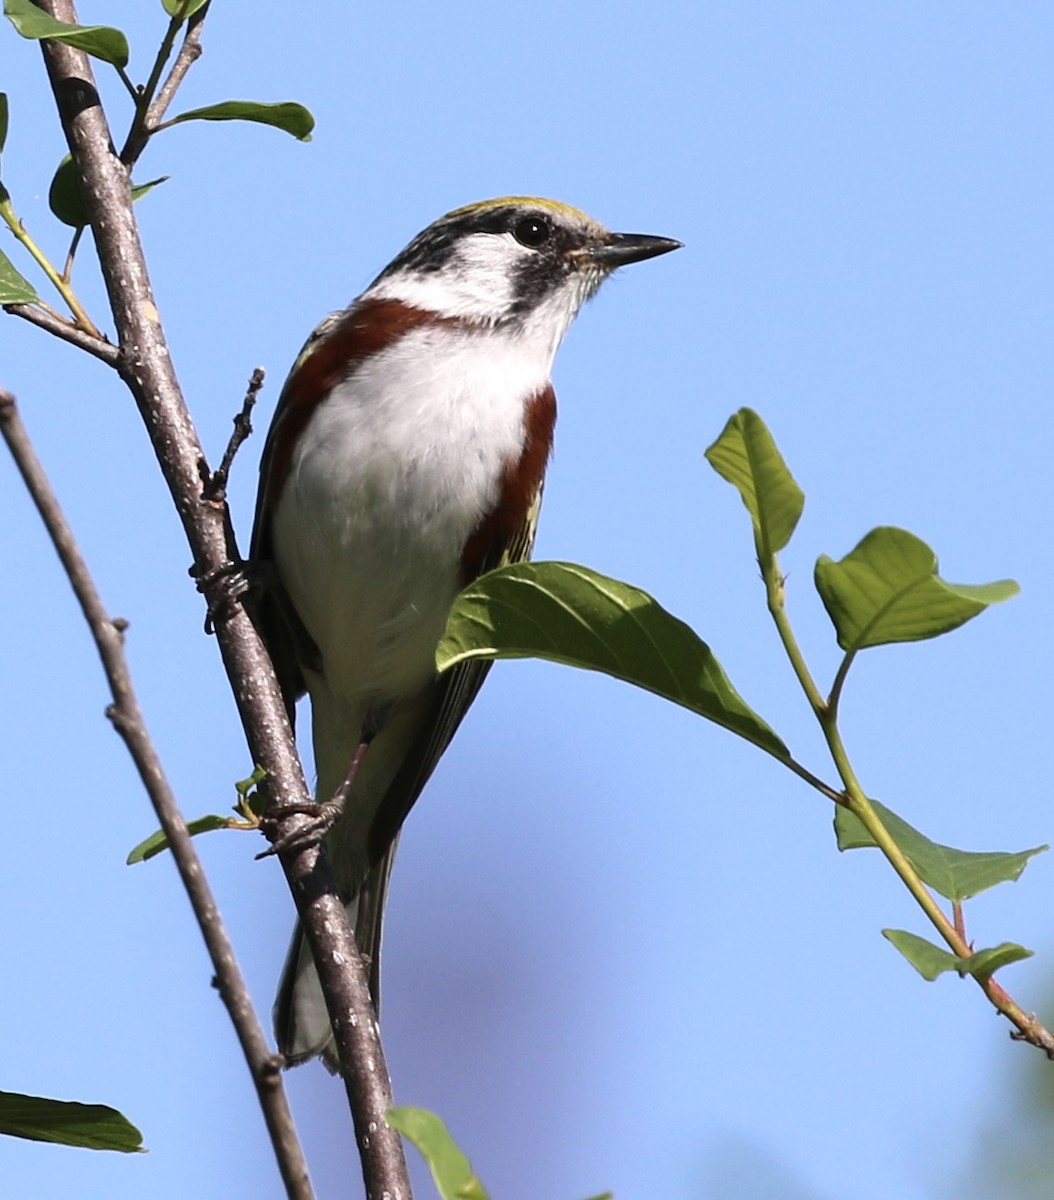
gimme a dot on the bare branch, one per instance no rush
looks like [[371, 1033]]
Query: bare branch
[[189, 53], [146, 366], [156, 106], [55, 324], [127, 719], [216, 484]]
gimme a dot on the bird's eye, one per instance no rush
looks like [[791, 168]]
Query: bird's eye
[[532, 232]]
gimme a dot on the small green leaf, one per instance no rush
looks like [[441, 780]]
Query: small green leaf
[[451, 1170], [930, 960], [14, 288], [887, 590], [157, 842], [3, 120], [984, 963], [249, 793], [568, 614], [182, 8], [139, 190], [92, 1126], [746, 456], [66, 195], [100, 41], [955, 874], [290, 117]]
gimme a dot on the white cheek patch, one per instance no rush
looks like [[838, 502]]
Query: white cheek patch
[[475, 283]]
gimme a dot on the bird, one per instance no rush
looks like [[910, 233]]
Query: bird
[[406, 458]]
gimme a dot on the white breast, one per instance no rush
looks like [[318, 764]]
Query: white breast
[[392, 475]]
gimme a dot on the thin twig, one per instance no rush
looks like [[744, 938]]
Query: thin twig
[[127, 719], [153, 107], [147, 369], [216, 484], [189, 53], [62, 328]]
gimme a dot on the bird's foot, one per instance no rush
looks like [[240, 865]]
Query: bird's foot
[[323, 816], [223, 587]]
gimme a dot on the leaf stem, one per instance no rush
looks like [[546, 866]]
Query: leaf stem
[[775, 594], [67, 269], [81, 318], [1028, 1028], [835, 695], [133, 91]]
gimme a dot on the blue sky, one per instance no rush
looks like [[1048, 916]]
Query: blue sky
[[622, 951]]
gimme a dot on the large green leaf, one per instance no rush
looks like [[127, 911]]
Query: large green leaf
[[451, 1170], [92, 1126], [931, 961], [568, 614], [887, 590], [14, 288], [100, 41], [291, 117], [955, 874], [747, 457]]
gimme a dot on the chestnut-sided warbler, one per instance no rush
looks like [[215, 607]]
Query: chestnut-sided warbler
[[405, 458]]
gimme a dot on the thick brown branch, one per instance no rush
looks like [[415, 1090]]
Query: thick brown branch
[[128, 721], [146, 367]]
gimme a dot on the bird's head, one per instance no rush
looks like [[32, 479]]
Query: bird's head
[[517, 263]]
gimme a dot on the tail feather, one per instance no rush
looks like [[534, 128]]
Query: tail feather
[[301, 1020]]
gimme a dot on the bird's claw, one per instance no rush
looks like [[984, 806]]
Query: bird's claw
[[222, 586], [304, 837]]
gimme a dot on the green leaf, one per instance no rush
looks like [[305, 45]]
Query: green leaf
[[930, 960], [139, 190], [66, 195], [157, 842], [3, 120], [14, 288], [955, 874], [290, 117], [984, 963], [182, 8], [571, 615], [451, 1170], [100, 41], [746, 456], [92, 1126], [249, 793], [887, 590]]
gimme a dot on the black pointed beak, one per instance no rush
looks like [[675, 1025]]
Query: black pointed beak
[[620, 249]]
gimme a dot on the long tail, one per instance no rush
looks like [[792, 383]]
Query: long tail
[[301, 1021]]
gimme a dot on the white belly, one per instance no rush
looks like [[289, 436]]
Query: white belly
[[392, 475]]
